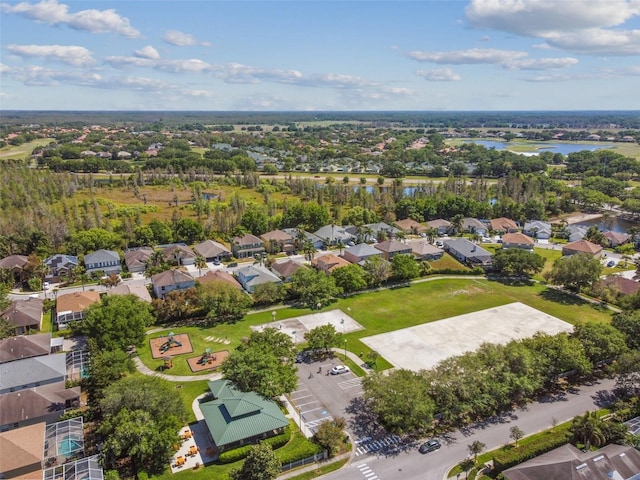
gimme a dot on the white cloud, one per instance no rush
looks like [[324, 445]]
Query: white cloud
[[53, 13], [147, 52], [577, 26], [439, 75], [73, 55], [181, 39], [541, 63], [471, 56]]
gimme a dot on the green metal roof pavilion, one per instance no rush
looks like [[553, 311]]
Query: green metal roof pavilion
[[234, 416]]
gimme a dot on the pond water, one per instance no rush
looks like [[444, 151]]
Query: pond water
[[615, 224], [563, 148]]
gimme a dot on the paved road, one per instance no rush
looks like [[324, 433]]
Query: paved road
[[410, 464]]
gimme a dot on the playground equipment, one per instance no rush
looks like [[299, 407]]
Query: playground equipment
[[207, 357], [171, 342]]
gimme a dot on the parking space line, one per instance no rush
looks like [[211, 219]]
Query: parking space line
[[312, 410], [307, 403], [304, 396]]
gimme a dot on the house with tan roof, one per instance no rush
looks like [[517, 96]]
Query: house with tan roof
[[24, 315], [328, 263], [179, 254], [277, 241], [247, 246], [615, 239], [286, 269], [212, 250], [473, 225], [621, 285], [15, 264], [391, 248], [517, 240], [219, 276], [139, 291], [440, 224], [171, 280], [423, 250], [70, 307], [410, 226], [22, 452], [582, 246], [503, 225], [136, 259], [24, 346]]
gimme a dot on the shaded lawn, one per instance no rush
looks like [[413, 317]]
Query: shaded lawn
[[550, 256], [448, 262]]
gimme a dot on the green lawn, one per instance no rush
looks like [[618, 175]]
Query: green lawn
[[20, 152], [550, 256], [448, 262]]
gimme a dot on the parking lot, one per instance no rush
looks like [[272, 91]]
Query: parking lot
[[322, 397]]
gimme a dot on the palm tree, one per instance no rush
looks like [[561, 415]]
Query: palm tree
[[456, 223], [401, 237], [586, 429], [200, 263], [432, 234], [308, 249]]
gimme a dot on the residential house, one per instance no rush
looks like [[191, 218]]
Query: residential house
[[277, 241], [25, 346], [171, 280], [136, 259], [577, 232], [423, 250], [567, 462], [106, 261], [467, 252], [286, 269], [329, 262], [139, 291], [14, 263], [410, 226], [441, 225], [312, 238], [334, 234], [517, 240], [616, 239], [582, 246], [373, 232], [70, 307], [247, 246], [254, 275], [212, 251], [391, 248], [360, 253], [31, 372], [179, 254], [22, 452], [473, 225], [237, 418], [538, 229], [24, 315], [503, 225], [622, 285], [60, 265], [219, 276]]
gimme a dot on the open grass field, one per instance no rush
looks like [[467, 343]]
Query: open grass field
[[21, 152], [393, 309]]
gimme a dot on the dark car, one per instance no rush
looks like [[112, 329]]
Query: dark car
[[611, 263], [429, 446]]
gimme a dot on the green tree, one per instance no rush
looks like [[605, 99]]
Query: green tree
[[404, 267], [627, 368], [200, 263], [351, 278], [587, 430], [378, 270], [255, 220], [261, 464], [7, 329], [222, 302], [323, 337], [274, 342], [629, 324], [476, 449], [516, 433], [601, 342], [331, 436], [517, 262], [269, 293], [105, 367], [117, 322], [575, 271], [188, 230], [400, 400], [313, 287]]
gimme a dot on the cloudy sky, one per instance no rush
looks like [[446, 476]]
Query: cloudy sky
[[320, 55]]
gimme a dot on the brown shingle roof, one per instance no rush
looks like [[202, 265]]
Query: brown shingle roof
[[621, 284], [390, 246], [170, 277], [518, 238], [286, 269], [22, 447], [219, 276], [276, 235], [77, 301], [582, 246], [24, 313], [24, 346], [409, 225], [329, 262], [504, 224], [13, 262]]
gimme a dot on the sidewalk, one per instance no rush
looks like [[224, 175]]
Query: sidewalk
[[142, 368]]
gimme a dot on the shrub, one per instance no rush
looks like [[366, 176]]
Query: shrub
[[508, 457], [240, 453]]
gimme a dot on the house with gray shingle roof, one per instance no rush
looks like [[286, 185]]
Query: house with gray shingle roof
[[236, 418], [360, 253], [106, 261], [473, 225], [136, 259], [391, 248], [467, 252], [247, 246], [60, 265], [253, 275], [32, 372], [440, 224], [212, 250], [537, 229]]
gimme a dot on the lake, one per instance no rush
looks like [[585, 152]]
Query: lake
[[563, 148]]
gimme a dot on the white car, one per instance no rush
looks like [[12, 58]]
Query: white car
[[338, 369]]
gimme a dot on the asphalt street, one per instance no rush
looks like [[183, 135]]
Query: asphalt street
[[408, 464]]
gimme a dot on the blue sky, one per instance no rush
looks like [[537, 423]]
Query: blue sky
[[320, 55]]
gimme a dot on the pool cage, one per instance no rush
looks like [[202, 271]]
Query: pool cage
[[84, 469], [63, 441], [77, 364]]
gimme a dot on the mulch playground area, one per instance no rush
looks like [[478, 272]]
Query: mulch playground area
[[208, 361], [180, 344]]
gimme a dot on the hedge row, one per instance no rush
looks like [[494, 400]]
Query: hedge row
[[504, 459], [240, 453], [306, 450]]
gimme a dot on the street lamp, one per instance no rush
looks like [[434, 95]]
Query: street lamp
[[345, 348], [273, 316]]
